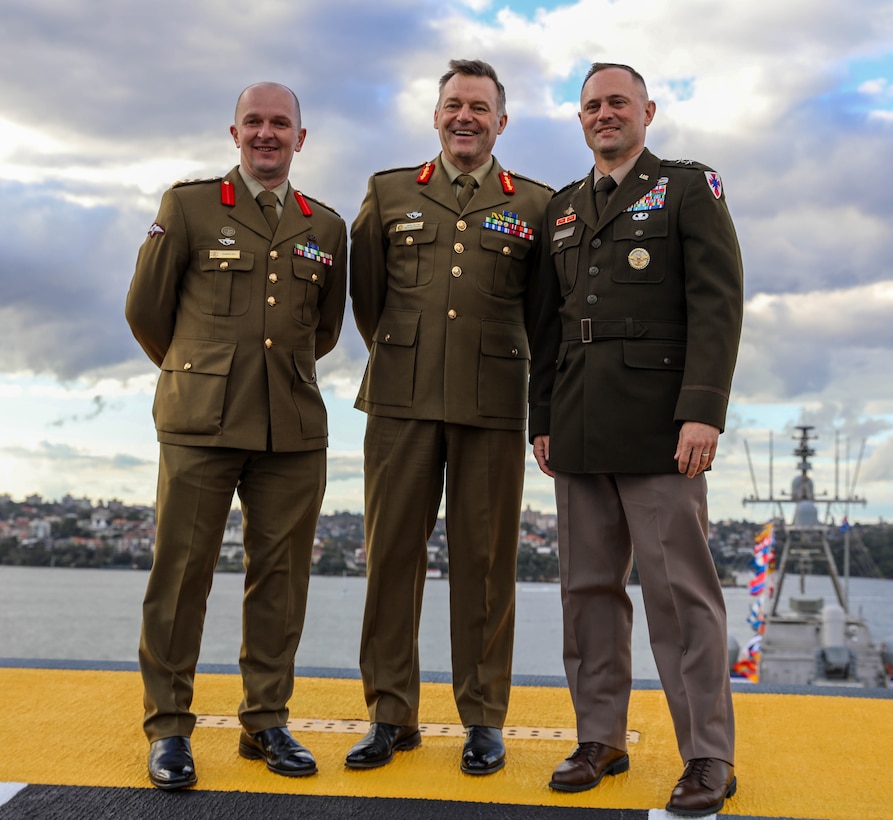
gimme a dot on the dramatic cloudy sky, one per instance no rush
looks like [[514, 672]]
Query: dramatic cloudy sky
[[105, 103]]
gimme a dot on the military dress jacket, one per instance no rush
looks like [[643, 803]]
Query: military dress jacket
[[639, 317], [236, 317], [440, 295]]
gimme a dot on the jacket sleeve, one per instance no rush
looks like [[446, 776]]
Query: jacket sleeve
[[545, 323], [368, 265], [152, 300], [714, 296], [333, 297]]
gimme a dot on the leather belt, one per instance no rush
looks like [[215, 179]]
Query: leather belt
[[588, 330]]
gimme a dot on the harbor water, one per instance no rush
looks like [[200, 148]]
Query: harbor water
[[94, 615]]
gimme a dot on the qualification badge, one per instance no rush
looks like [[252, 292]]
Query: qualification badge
[[639, 258]]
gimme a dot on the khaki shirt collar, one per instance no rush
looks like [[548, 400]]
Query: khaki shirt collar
[[255, 187], [620, 172], [479, 174]]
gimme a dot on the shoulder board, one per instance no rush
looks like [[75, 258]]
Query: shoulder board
[[577, 183], [320, 202], [412, 168], [686, 163], [181, 182], [545, 185]]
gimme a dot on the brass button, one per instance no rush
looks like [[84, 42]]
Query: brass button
[[640, 232], [271, 301], [596, 243], [592, 299], [274, 278], [268, 343], [458, 247], [593, 271], [452, 314], [387, 337], [409, 240], [187, 366], [507, 250], [315, 277], [224, 265], [514, 351], [560, 243], [461, 225], [667, 360], [456, 271], [274, 254]]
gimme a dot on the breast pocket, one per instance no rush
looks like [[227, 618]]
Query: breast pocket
[[411, 254], [226, 288], [507, 275], [640, 246], [566, 245], [308, 278]]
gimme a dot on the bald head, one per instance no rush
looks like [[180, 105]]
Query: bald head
[[267, 86]]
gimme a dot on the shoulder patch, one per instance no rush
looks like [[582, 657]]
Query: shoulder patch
[[181, 182], [545, 185]]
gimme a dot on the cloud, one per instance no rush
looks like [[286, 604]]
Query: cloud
[[126, 98]]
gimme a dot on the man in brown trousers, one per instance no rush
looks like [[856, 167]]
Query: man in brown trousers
[[640, 305]]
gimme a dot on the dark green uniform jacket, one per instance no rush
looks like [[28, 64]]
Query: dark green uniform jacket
[[639, 318]]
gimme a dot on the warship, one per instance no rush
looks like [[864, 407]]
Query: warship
[[807, 640]]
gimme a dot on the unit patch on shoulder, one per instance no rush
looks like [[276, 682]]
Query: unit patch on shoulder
[[156, 230], [714, 182]]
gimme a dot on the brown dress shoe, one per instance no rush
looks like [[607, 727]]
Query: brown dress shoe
[[586, 767], [703, 788]]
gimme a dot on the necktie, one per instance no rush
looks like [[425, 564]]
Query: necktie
[[468, 185], [603, 189], [268, 201]]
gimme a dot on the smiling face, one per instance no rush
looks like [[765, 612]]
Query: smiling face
[[614, 113], [267, 132], [468, 120]]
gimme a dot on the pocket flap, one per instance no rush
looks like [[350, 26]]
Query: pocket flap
[[397, 327], [505, 339], [656, 355], [199, 356]]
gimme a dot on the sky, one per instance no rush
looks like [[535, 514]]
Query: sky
[[104, 104]]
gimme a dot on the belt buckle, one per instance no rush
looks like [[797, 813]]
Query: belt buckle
[[586, 331]]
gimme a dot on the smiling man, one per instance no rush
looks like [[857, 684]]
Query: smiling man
[[441, 258], [238, 290], [640, 300]]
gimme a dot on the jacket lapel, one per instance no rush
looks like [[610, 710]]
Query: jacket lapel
[[292, 222], [638, 182]]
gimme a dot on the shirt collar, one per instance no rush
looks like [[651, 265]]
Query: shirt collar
[[480, 173], [620, 172], [255, 187]]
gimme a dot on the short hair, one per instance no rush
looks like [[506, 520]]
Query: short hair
[[280, 85], [596, 67], [474, 68]]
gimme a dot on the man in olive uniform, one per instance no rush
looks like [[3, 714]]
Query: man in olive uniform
[[235, 298], [441, 257], [635, 345]]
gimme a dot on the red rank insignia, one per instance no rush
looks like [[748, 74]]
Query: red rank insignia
[[425, 174], [565, 219], [303, 204], [227, 193], [508, 187]]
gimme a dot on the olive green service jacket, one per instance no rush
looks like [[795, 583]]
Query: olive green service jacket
[[639, 318], [441, 297], [236, 317]]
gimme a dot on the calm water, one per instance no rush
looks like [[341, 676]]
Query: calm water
[[94, 615]]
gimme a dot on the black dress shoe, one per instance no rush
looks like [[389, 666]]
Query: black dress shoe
[[281, 752], [484, 751], [703, 788], [170, 763], [378, 746], [586, 767]]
